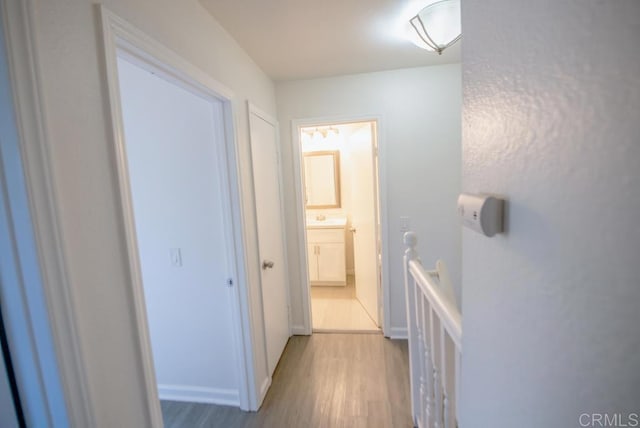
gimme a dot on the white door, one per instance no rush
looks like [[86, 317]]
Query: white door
[[266, 182], [363, 220]]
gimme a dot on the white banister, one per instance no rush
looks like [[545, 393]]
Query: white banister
[[413, 331], [434, 326]]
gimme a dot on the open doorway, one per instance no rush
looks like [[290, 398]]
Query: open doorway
[[179, 195], [339, 177], [175, 163]]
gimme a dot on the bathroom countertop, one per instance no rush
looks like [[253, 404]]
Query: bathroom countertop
[[329, 222]]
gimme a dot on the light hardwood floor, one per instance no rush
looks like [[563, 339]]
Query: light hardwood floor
[[336, 309], [324, 380]]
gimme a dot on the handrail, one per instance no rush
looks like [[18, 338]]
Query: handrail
[[447, 312]]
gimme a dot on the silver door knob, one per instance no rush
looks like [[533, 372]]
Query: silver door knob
[[267, 264], [352, 229]]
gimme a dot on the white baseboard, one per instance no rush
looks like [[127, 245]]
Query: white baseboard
[[398, 333], [299, 330], [199, 394]]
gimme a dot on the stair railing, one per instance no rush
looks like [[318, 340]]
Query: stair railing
[[435, 332]]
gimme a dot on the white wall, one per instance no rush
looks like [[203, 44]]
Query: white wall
[[551, 109], [420, 131], [76, 108], [174, 153]]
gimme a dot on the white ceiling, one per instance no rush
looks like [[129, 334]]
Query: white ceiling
[[302, 39]]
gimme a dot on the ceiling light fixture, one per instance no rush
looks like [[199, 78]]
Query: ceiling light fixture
[[438, 25], [321, 132]]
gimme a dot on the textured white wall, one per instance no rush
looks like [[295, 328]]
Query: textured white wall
[[551, 121], [76, 107], [420, 128]]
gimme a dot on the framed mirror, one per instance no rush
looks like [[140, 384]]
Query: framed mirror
[[322, 179]]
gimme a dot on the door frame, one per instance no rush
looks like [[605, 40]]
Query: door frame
[[381, 196], [56, 305], [123, 39]]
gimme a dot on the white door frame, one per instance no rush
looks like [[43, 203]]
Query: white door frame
[[123, 39], [18, 21], [296, 124]]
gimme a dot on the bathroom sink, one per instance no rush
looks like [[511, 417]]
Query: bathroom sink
[[328, 222]]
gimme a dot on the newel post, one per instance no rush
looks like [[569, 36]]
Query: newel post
[[410, 241]]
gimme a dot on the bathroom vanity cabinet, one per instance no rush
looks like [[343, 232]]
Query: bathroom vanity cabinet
[[326, 254]]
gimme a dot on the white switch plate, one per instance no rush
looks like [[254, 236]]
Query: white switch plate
[[176, 257], [405, 224]]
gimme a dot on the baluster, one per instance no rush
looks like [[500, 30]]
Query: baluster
[[437, 417], [422, 411], [445, 409], [457, 383], [446, 375], [437, 381], [449, 367], [410, 240], [428, 403], [420, 357]]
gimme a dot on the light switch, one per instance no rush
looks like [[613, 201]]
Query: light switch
[[405, 224], [176, 257]]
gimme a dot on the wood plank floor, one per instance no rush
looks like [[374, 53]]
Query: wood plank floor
[[324, 380]]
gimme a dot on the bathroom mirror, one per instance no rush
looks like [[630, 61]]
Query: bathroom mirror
[[322, 179]]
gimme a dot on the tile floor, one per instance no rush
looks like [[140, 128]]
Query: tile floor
[[336, 309]]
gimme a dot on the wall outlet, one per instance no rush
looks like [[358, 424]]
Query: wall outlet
[[176, 257]]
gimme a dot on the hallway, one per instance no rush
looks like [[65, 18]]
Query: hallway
[[324, 380]]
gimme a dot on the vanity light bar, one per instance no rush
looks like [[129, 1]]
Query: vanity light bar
[[323, 131]]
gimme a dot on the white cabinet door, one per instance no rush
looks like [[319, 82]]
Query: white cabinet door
[[326, 256], [331, 262], [312, 259]]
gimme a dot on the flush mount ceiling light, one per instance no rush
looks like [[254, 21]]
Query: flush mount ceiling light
[[437, 25]]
